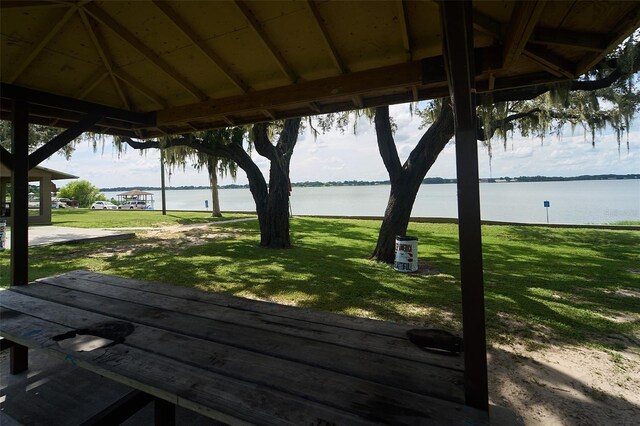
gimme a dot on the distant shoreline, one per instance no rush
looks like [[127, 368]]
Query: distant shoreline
[[433, 181]]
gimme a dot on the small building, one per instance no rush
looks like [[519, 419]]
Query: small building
[[136, 195], [40, 188]]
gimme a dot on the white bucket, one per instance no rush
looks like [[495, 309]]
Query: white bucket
[[406, 254]]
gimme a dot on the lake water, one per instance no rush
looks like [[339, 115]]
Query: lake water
[[571, 202]]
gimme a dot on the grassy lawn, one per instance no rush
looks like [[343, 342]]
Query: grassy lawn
[[87, 218], [541, 284]]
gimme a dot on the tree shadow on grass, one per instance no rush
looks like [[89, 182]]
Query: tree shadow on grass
[[540, 284]]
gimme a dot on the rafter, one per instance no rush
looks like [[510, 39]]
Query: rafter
[[523, 21], [42, 44], [631, 20], [93, 82], [333, 52], [404, 29], [269, 114], [273, 50], [487, 24], [565, 38], [197, 41], [14, 4], [551, 62], [149, 54], [101, 47], [137, 85], [346, 85], [314, 107], [63, 103], [415, 94]]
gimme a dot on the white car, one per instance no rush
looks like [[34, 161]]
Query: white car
[[130, 205], [104, 205]]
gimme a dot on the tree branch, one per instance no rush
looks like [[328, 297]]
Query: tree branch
[[386, 144], [498, 124], [261, 141], [531, 92], [289, 136], [432, 141]]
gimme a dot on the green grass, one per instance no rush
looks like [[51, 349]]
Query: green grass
[[542, 285], [87, 218], [627, 222]]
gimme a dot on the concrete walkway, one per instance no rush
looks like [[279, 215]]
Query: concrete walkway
[[49, 235]]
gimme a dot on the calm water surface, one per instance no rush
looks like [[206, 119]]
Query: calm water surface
[[575, 202]]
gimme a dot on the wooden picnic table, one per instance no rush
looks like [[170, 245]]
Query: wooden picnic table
[[237, 360]]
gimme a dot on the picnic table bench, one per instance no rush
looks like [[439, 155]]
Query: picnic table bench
[[235, 360]]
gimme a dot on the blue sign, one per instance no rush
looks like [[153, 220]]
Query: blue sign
[[206, 204], [547, 204]]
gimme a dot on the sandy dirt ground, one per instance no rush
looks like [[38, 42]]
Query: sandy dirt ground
[[564, 386], [556, 385]]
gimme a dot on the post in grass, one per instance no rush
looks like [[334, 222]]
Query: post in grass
[[547, 204]]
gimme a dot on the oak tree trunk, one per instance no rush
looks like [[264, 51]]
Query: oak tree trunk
[[406, 178], [213, 181], [275, 233]]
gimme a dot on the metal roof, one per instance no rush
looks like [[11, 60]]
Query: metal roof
[[159, 67]]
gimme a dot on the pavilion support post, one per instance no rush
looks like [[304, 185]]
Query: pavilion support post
[[19, 355], [20, 194], [164, 195], [458, 46]]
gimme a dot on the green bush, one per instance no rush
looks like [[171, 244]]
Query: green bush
[[82, 191]]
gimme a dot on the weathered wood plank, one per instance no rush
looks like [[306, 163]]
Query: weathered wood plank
[[215, 396], [385, 328], [378, 368], [374, 402], [315, 384], [396, 347]]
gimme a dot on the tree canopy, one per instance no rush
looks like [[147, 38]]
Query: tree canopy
[[82, 191]]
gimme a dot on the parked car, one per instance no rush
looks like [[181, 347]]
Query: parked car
[[131, 205], [57, 203], [69, 202], [104, 205]]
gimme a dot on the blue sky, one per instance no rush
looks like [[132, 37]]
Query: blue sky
[[336, 156]]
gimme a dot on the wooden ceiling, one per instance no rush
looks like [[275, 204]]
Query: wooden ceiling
[[156, 67]]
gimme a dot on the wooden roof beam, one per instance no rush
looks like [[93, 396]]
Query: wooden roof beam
[[523, 21], [149, 54], [314, 107], [257, 28], [101, 47], [622, 30], [488, 25], [565, 38], [404, 29], [425, 74], [93, 82], [197, 41], [345, 85], [333, 52], [269, 114], [551, 62], [42, 44], [12, 92], [137, 85], [14, 4]]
